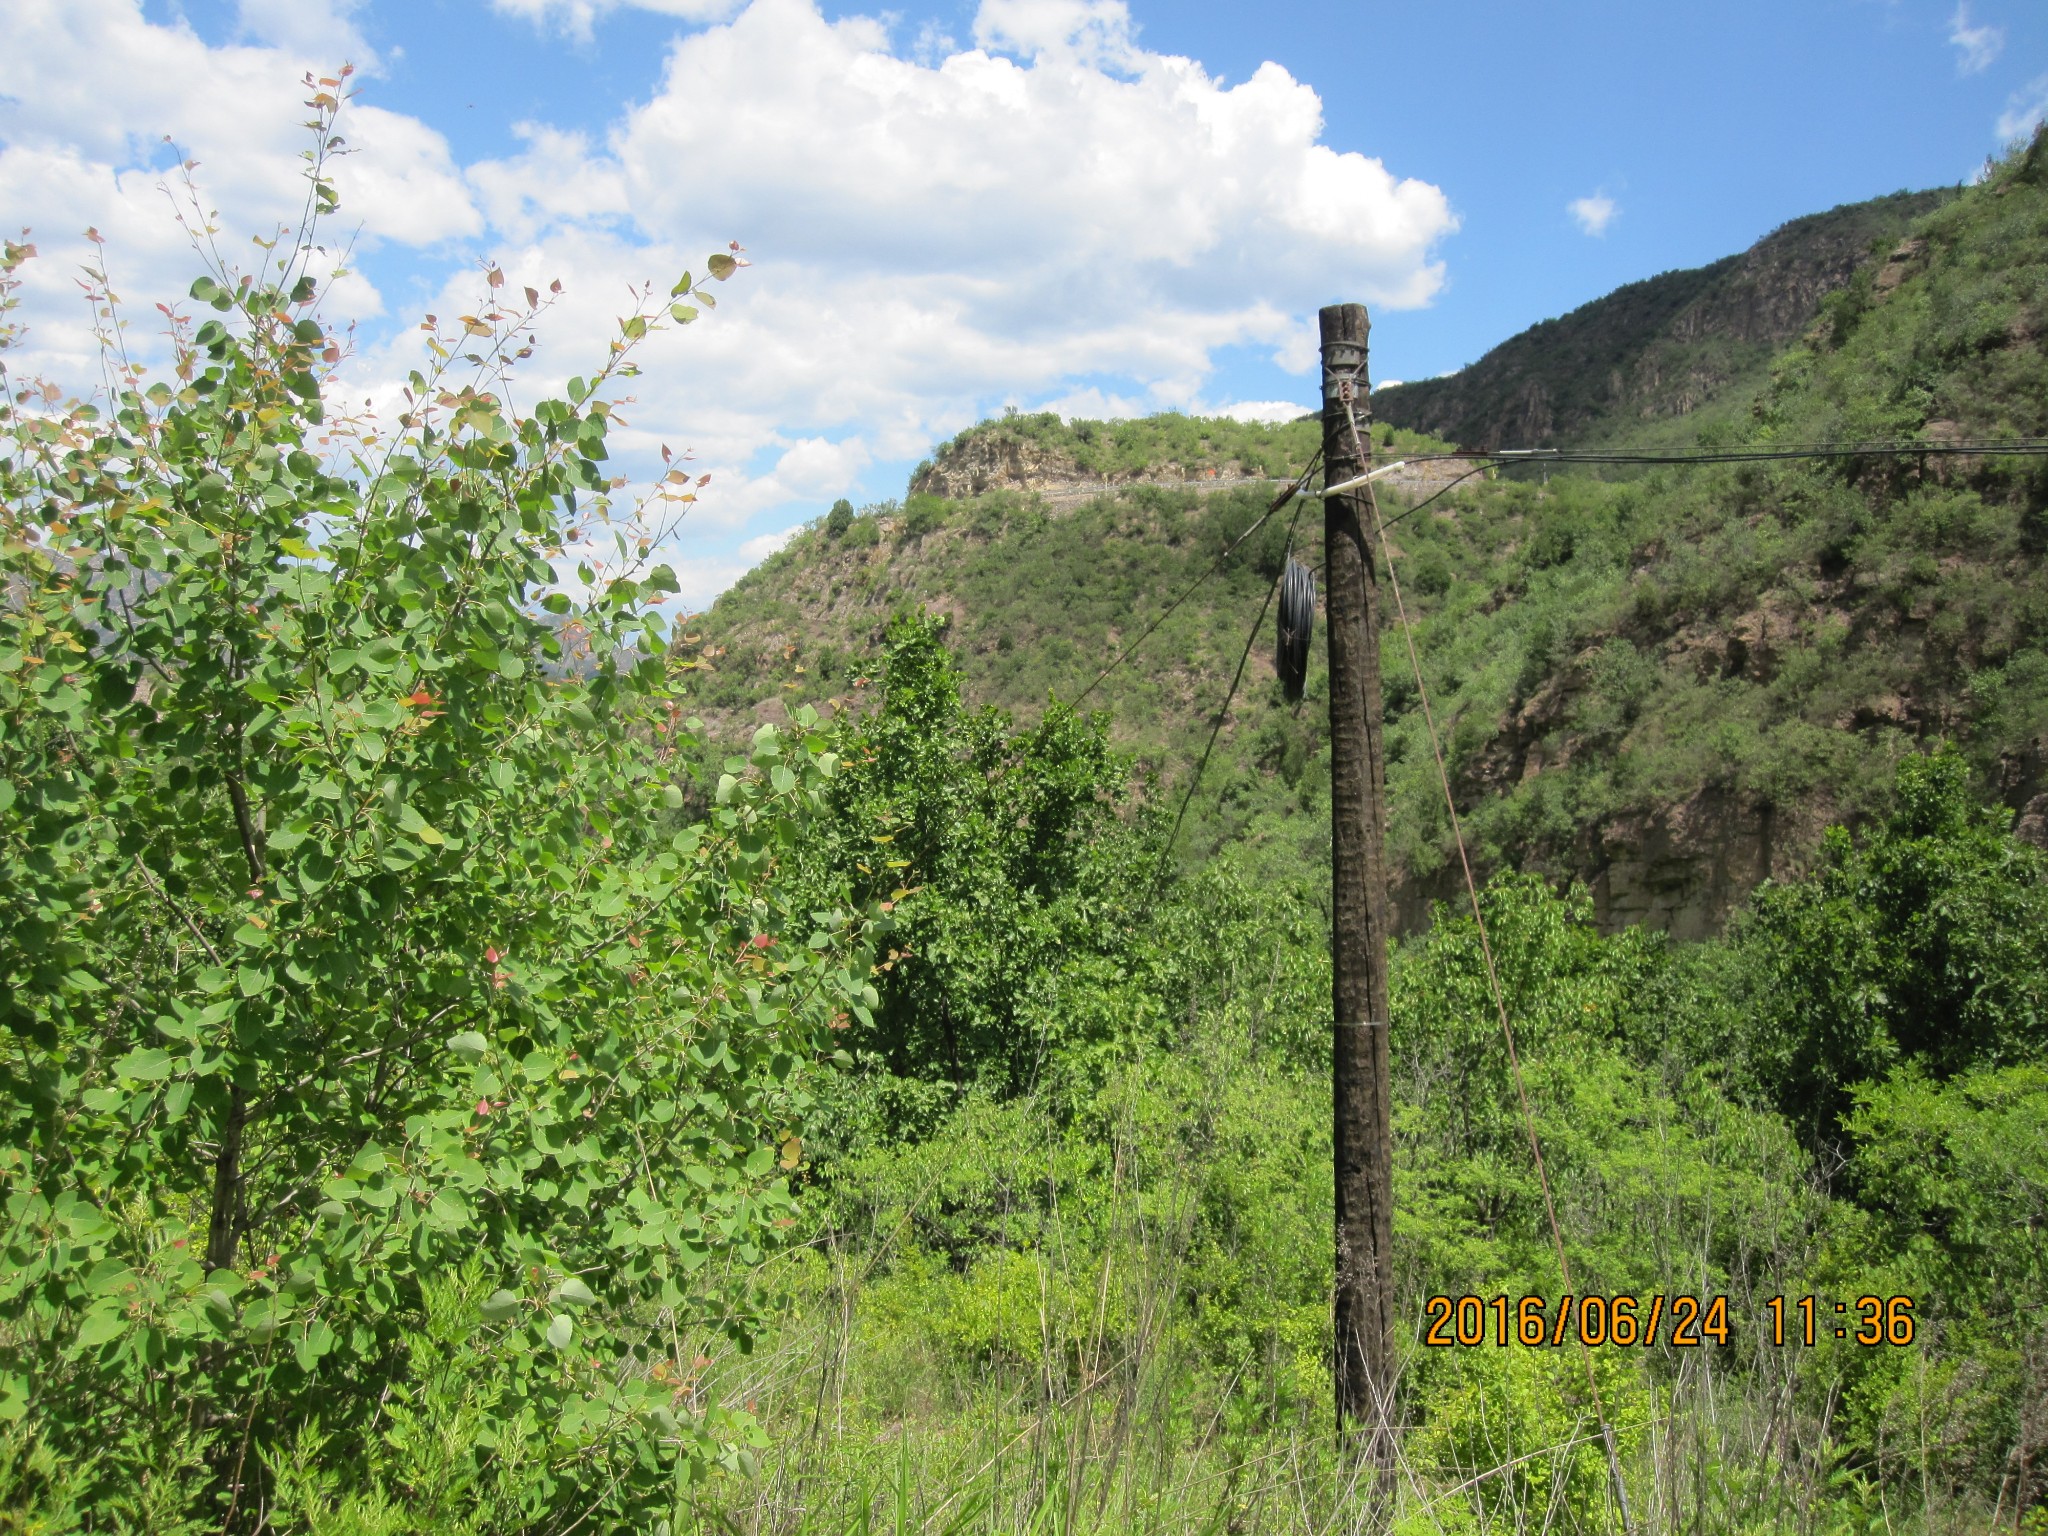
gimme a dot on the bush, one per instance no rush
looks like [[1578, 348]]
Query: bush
[[368, 1016], [1927, 944], [922, 515]]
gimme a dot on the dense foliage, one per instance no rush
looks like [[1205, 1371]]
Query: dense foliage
[[394, 1097], [1013, 879], [432, 1099], [1129, 1288]]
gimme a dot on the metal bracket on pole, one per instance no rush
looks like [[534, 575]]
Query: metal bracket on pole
[[1357, 480]]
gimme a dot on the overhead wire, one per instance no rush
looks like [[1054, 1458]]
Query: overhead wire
[[1889, 447], [1501, 458]]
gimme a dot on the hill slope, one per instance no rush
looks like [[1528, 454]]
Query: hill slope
[[1665, 687], [1659, 348]]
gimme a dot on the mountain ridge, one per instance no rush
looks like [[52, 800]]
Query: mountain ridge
[[1665, 687], [1661, 347]]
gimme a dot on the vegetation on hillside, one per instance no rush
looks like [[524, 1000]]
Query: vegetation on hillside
[[1147, 445], [1662, 348], [1110, 1307], [434, 1101], [1746, 649]]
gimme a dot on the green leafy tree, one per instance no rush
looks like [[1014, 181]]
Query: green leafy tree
[[839, 519], [355, 957], [1012, 864], [1925, 944]]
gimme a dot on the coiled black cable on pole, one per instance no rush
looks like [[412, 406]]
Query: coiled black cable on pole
[[1297, 627]]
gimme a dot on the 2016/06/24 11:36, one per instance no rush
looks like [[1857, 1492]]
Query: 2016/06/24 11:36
[[1875, 1320], [1684, 1322]]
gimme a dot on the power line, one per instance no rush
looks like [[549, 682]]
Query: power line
[[1499, 458], [2023, 447], [1503, 457]]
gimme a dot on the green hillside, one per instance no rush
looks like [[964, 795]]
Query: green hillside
[[1662, 349], [1666, 687], [429, 1106]]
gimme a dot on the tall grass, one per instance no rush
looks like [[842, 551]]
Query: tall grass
[[1062, 1386]]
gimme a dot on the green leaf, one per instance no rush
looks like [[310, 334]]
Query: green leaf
[[561, 1331], [149, 1066], [420, 827], [574, 1292], [501, 1306], [469, 1045], [205, 289], [317, 1340], [722, 266], [682, 314], [102, 1324]]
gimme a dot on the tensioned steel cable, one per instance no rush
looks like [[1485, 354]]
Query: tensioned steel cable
[[1502, 458], [1228, 699], [1890, 447], [1492, 977], [1293, 490]]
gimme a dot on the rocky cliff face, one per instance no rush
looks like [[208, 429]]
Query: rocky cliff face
[[1661, 347], [990, 461], [985, 461]]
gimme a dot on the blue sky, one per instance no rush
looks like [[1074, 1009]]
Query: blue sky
[[952, 208]]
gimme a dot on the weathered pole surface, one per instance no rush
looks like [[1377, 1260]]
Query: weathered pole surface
[[1363, 1126]]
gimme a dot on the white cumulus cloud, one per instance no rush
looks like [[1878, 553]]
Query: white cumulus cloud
[[1593, 214], [323, 30], [1975, 46], [578, 18], [1054, 216], [1271, 411], [90, 91]]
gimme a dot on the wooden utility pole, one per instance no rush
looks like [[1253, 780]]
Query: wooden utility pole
[[1358, 836]]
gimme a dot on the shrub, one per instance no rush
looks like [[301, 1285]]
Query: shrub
[[359, 987]]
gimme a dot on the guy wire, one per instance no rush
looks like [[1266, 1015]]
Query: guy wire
[[1492, 974], [1216, 565], [1166, 852]]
